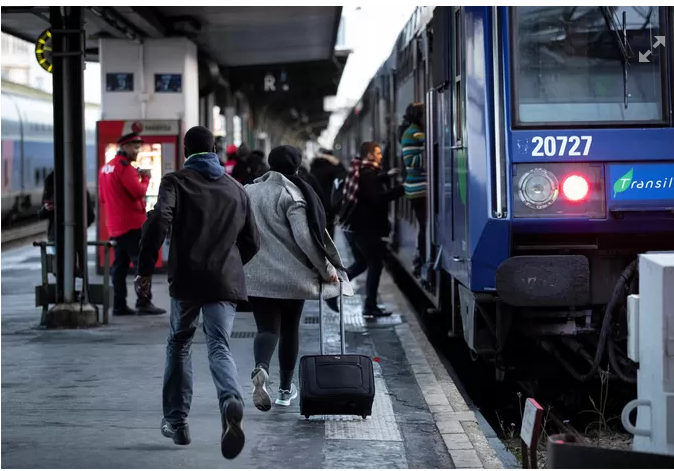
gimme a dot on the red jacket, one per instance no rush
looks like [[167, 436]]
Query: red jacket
[[122, 192]]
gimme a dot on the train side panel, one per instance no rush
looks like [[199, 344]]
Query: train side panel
[[488, 236]]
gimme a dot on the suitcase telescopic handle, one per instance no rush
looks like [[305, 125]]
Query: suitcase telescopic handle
[[342, 339]]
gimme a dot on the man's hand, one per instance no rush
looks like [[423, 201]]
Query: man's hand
[[142, 286], [145, 173], [393, 172]]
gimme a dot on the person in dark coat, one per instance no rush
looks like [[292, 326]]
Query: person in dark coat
[[47, 210], [325, 167], [240, 170], [368, 223], [214, 234], [255, 167]]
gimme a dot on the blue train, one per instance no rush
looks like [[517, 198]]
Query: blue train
[[28, 148], [550, 166]]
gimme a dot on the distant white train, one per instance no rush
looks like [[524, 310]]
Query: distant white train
[[28, 148]]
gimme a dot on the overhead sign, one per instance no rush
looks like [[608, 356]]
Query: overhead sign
[[152, 127], [44, 50], [271, 84]]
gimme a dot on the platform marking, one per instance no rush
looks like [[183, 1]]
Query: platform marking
[[463, 437], [381, 426]]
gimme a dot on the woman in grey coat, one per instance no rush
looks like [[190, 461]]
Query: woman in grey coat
[[296, 255]]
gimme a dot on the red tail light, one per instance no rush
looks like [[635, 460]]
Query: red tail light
[[575, 188]]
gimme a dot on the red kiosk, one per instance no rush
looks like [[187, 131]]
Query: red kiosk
[[161, 153]]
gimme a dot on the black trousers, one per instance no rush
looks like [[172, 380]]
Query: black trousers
[[368, 254], [126, 252], [419, 208], [278, 321]]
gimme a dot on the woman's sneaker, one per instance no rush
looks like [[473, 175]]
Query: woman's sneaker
[[285, 395], [261, 396]]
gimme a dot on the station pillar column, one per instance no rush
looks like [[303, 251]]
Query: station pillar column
[[70, 310]]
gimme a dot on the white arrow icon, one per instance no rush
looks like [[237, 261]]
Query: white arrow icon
[[644, 57], [659, 40]]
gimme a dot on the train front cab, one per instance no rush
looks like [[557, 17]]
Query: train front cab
[[570, 175]]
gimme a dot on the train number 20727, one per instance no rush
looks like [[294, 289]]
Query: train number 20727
[[561, 146]]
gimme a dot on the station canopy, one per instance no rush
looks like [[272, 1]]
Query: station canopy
[[293, 44]]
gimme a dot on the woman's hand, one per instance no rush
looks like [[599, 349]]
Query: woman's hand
[[332, 275]]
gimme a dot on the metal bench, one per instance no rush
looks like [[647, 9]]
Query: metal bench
[[98, 293]]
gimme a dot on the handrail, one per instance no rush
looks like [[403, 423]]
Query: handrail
[[107, 244], [93, 243]]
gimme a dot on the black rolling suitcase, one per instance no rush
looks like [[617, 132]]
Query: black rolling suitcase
[[336, 384]]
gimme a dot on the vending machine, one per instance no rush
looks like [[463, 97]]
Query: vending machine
[[161, 153]]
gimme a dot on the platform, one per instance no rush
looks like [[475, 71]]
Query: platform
[[92, 398]]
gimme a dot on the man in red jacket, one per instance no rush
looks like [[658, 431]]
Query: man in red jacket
[[122, 191]]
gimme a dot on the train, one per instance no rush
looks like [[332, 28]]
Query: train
[[549, 158], [28, 149]]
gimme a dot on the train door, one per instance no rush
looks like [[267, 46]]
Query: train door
[[433, 102], [459, 226]]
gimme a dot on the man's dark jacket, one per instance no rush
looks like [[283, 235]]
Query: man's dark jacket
[[370, 216], [213, 232]]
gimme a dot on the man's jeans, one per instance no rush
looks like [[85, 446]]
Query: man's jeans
[[218, 322]]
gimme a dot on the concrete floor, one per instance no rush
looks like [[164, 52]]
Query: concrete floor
[[92, 398]]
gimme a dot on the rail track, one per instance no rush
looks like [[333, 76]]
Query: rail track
[[15, 236]]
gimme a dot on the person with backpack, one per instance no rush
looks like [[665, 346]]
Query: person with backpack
[[412, 141]]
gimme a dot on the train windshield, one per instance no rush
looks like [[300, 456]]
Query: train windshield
[[590, 65]]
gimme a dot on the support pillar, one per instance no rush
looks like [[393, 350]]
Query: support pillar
[[206, 105], [229, 125], [67, 25]]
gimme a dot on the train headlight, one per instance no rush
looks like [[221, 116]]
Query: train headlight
[[575, 188], [538, 188]]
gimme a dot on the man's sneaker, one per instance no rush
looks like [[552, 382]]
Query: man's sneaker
[[377, 311], [123, 311], [179, 434], [285, 395], [149, 309], [232, 438], [261, 397]]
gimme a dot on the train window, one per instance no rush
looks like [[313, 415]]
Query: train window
[[458, 68], [458, 34], [586, 65]]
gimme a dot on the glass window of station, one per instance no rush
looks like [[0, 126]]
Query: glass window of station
[[582, 65]]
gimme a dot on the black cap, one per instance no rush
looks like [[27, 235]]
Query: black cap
[[285, 160], [129, 138]]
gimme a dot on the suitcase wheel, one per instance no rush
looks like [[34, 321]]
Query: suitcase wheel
[[306, 417], [364, 417]]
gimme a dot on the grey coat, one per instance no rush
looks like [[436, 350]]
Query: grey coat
[[289, 265]]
